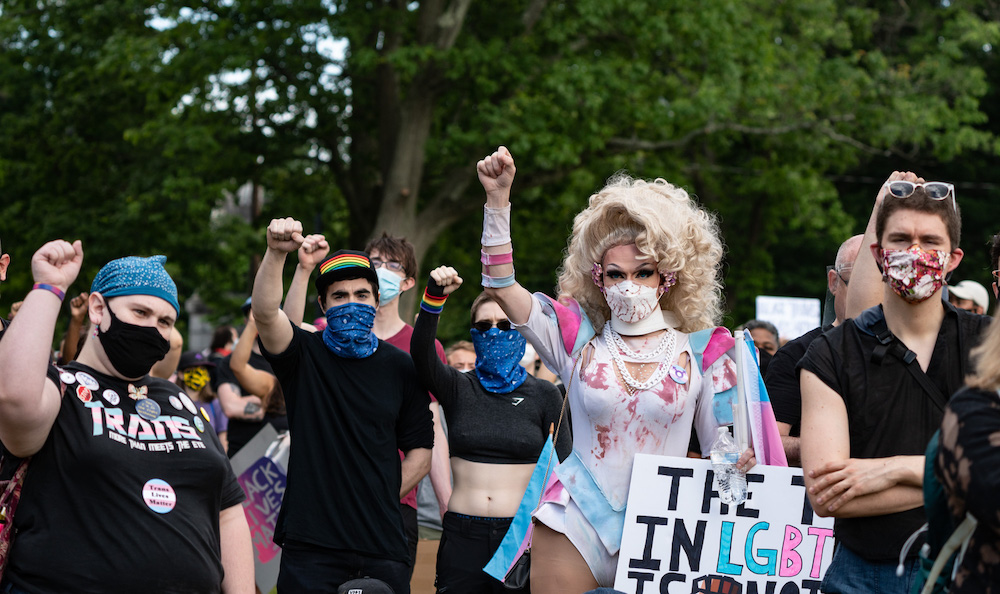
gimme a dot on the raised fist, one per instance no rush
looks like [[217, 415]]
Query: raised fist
[[447, 278], [496, 173], [57, 263], [313, 251], [284, 235]]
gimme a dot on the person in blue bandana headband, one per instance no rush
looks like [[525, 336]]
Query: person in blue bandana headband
[[124, 470], [353, 401], [499, 417]]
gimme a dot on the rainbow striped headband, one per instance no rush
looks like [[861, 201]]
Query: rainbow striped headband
[[344, 261]]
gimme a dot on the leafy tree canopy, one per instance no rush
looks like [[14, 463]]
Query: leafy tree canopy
[[125, 123]]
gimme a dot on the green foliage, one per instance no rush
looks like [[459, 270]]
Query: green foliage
[[126, 123]]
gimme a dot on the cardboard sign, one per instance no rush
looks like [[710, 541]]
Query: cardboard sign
[[793, 316], [260, 467], [680, 539]]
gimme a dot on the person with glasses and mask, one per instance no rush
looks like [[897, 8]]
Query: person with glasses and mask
[[641, 273], [128, 488], [353, 402], [395, 263], [874, 388], [499, 417], [782, 379]]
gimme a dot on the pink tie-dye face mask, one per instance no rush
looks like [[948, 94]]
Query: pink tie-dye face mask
[[914, 274]]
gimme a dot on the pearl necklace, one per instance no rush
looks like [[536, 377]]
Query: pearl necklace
[[632, 385]]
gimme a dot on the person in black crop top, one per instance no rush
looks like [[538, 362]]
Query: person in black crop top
[[498, 419]]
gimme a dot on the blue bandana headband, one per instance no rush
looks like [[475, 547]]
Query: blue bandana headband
[[136, 276]]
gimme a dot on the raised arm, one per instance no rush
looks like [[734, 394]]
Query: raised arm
[[435, 376], [253, 380], [313, 250], [71, 341], [29, 401], [496, 173], [865, 288], [283, 236]]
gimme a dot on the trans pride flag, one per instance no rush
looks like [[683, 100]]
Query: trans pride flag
[[752, 408]]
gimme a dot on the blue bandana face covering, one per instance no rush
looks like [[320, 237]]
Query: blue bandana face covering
[[498, 356], [348, 330], [388, 285]]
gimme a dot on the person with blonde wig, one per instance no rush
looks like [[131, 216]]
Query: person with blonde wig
[[640, 277]]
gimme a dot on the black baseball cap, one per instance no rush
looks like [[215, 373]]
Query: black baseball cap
[[346, 265], [365, 586]]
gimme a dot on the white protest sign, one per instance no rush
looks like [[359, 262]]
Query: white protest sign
[[679, 538], [793, 316]]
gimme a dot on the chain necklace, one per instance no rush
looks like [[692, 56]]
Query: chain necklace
[[667, 341], [632, 385]]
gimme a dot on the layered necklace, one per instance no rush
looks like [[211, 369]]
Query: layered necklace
[[662, 354]]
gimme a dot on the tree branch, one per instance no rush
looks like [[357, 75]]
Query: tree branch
[[532, 13], [636, 144]]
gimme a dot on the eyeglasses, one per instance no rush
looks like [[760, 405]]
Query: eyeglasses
[[376, 263], [840, 270], [485, 325], [934, 190]]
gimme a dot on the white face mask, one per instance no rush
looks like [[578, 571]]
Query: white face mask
[[631, 302]]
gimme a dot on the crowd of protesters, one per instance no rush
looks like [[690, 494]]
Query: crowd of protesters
[[130, 472]]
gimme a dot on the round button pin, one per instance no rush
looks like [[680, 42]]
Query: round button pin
[[148, 409], [88, 380], [159, 496], [112, 397]]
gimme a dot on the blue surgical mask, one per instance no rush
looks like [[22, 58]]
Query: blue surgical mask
[[388, 285], [498, 356], [348, 330]]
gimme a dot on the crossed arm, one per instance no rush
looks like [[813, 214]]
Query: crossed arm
[[846, 487]]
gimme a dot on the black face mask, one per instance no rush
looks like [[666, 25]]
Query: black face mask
[[132, 350]]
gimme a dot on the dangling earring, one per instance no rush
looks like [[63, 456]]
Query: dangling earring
[[669, 280], [597, 275]]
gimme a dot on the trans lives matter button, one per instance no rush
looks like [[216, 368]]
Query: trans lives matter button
[[159, 496]]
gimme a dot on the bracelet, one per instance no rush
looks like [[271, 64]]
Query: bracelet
[[498, 282], [496, 259], [432, 303], [52, 289], [496, 226]]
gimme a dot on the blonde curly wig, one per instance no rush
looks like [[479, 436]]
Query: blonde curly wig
[[664, 224]]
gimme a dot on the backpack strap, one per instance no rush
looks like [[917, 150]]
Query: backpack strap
[[959, 538], [889, 344]]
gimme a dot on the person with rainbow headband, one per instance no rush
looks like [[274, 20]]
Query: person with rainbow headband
[[353, 401]]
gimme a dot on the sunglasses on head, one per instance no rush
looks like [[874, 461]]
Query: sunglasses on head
[[934, 190], [485, 325], [377, 263]]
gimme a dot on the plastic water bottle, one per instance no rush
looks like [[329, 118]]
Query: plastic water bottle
[[729, 482]]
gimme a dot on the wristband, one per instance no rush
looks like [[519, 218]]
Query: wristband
[[52, 289], [496, 226], [496, 259], [498, 282], [432, 303]]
